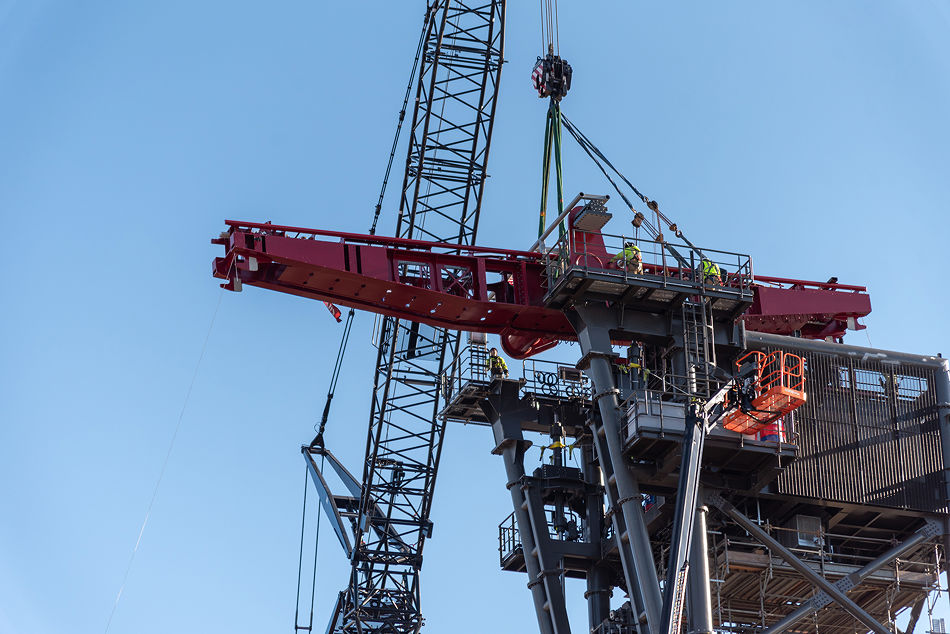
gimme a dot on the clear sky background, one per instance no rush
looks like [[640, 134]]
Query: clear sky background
[[813, 135]]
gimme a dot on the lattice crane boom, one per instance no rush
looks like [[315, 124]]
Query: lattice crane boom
[[446, 163]]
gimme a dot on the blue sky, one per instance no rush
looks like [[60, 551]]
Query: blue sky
[[812, 135]]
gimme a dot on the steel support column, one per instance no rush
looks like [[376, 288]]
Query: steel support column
[[593, 334], [942, 379], [699, 603], [506, 414], [599, 576], [823, 584]]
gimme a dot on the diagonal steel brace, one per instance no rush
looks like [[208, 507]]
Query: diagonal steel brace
[[928, 531], [834, 593]]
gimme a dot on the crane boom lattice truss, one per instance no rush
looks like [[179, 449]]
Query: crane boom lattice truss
[[450, 137]]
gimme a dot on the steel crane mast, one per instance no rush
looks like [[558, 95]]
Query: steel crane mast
[[449, 142]]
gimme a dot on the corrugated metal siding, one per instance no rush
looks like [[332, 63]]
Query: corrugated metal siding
[[867, 435]]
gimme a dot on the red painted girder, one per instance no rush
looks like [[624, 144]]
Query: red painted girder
[[450, 286], [422, 281], [815, 309]]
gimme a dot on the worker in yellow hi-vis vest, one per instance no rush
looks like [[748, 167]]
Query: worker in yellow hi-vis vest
[[496, 365], [711, 272], [629, 259]]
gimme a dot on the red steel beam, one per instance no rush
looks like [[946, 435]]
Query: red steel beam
[[473, 288]]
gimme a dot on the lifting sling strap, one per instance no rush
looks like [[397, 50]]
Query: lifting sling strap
[[552, 149]]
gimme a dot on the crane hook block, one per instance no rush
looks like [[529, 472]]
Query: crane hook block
[[551, 77]]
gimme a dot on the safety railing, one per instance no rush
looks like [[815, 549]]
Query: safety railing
[[470, 365], [776, 369], [555, 380], [509, 539], [565, 525], [605, 253], [665, 411], [823, 547], [264, 229], [655, 405]]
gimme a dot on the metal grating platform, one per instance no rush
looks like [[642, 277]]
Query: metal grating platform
[[647, 292]]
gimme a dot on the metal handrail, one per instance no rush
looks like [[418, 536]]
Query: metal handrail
[[581, 250], [470, 364], [543, 378]]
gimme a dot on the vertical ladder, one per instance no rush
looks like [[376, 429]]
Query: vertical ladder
[[698, 346]]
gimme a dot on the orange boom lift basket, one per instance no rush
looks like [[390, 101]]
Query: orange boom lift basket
[[779, 387]]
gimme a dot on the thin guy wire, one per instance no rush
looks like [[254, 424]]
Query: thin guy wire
[[303, 525], [402, 118], [541, 13], [316, 550], [168, 455]]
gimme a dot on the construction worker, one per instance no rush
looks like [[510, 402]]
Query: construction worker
[[637, 373], [629, 259], [496, 365], [711, 273]]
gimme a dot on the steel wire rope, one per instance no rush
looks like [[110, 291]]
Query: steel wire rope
[[318, 441], [168, 454], [651, 204], [550, 38], [592, 153], [334, 378], [569, 124], [316, 550], [541, 14], [402, 118]]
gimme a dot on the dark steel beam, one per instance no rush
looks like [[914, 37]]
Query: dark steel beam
[[915, 615], [505, 414], [942, 380], [699, 599], [328, 504], [633, 540]]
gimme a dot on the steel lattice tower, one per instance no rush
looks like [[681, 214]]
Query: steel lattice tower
[[449, 143]]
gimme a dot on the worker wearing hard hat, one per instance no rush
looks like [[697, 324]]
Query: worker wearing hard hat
[[711, 272], [629, 259], [496, 365]]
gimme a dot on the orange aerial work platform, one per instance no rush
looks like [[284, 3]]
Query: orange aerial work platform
[[779, 384]]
